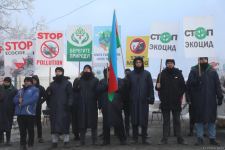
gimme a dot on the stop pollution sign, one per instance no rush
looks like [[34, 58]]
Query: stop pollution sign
[[49, 47], [18, 57]]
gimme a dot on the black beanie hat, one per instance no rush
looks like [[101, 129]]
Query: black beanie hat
[[170, 60], [29, 79], [8, 79], [138, 58], [200, 58], [87, 66], [60, 69]]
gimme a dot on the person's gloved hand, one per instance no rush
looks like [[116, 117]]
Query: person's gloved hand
[[68, 108], [150, 100], [220, 101], [199, 80]]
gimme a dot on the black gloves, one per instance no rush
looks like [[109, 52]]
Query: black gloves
[[199, 80], [220, 101], [150, 100], [68, 108]]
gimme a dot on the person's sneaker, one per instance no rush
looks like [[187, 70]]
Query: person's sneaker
[[163, 141], [40, 140], [191, 134], [135, 141], [123, 142], [199, 142], [80, 144], [8, 144], [144, 142], [54, 145], [76, 138], [100, 135], [214, 142], [66, 145], [181, 141], [30, 145], [105, 143], [23, 147]]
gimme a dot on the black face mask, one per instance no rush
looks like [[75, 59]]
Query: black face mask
[[58, 78], [170, 70], [6, 86], [139, 69], [87, 75], [204, 66]]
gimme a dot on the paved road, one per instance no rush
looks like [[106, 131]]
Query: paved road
[[154, 132]]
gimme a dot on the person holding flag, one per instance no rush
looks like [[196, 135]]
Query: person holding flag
[[110, 90], [141, 95], [111, 110]]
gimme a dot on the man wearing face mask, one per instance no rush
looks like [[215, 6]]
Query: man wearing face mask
[[41, 100], [7, 93], [112, 111], [171, 87], [141, 93], [126, 103], [85, 88], [59, 100], [25, 108], [204, 91]]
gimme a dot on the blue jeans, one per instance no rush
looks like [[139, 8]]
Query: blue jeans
[[211, 130]]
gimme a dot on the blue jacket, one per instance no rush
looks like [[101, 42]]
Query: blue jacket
[[30, 97]]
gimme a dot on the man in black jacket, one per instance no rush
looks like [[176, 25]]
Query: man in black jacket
[[7, 107], [112, 111], [205, 93], [141, 93], [41, 100], [126, 103], [171, 87], [60, 100], [85, 88]]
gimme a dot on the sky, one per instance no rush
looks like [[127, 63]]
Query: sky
[[134, 17]]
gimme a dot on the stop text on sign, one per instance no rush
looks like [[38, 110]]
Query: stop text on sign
[[47, 35], [18, 45]]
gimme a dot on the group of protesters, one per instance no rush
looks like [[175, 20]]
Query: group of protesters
[[78, 104]]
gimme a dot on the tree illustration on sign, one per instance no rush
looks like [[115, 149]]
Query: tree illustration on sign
[[50, 50], [80, 36], [104, 39]]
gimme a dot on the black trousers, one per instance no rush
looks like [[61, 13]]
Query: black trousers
[[120, 132], [126, 111], [26, 127], [192, 121], [8, 136], [176, 123], [75, 127], [93, 135], [143, 132], [39, 126]]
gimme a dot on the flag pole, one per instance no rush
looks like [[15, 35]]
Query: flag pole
[[199, 67], [78, 68], [50, 73], [122, 57], [107, 75], [160, 70], [20, 82]]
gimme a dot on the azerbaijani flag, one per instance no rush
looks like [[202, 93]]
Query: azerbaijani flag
[[114, 44]]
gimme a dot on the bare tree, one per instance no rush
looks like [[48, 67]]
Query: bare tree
[[10, 27]]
